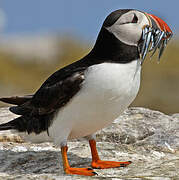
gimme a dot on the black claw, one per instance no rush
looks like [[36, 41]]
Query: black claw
[[90, 169], [123, 165], [95, 173]]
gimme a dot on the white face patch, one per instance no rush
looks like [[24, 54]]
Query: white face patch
[[126, 31]]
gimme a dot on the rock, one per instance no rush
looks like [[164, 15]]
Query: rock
[[144, 127], [150, 139]]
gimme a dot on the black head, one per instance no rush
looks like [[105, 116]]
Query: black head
[[121, 36]]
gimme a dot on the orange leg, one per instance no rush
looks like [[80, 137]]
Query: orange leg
[[99, 164], [70, 170]]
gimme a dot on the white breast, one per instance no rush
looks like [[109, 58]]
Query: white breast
[[108, 90]]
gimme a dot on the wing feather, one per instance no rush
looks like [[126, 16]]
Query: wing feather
[[54, 93]]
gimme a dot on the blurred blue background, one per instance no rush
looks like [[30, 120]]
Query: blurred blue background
[[82, 17], [37, 37]]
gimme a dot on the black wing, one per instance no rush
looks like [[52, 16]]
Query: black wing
[[52, 96], [55, 92], [37, 111]]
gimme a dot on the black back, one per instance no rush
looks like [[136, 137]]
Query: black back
[[38, 112]]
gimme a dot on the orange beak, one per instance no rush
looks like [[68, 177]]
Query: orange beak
[[162, 25], [156, 36]]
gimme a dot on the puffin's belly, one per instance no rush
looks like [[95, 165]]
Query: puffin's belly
[[107, 91]]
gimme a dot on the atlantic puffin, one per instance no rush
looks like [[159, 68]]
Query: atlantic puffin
[[89, 94]]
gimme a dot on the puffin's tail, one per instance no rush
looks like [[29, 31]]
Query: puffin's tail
[[16, 100], [16, 124], [6, 126], [27, 122], [19, 123]]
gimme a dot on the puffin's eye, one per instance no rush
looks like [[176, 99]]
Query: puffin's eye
[[135, 19]]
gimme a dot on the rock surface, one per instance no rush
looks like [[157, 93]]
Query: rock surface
[[150, 139]]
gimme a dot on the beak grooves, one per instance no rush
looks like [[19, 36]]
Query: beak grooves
[[162, 24], [155, 38]]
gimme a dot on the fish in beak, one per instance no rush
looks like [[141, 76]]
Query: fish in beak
[[154, 36]]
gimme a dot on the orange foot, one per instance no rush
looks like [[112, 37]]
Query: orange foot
[[99, 164], [81, 171]]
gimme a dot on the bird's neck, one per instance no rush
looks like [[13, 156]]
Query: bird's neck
[[109, 48]]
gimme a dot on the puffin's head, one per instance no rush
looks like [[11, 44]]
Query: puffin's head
[[134, 28]]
